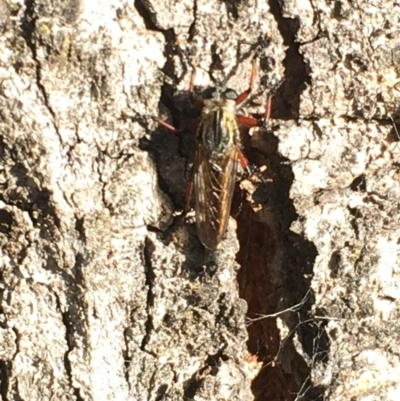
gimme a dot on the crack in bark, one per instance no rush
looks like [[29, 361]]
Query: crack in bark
[[80, 228], [69, 334], [210, 367], [28, 26], [17, 343], [171, 47], [150, 276], [296, 75], [127, 356], [70, 318], [5, 366], [100, 157], [192, 28], [151, 385]]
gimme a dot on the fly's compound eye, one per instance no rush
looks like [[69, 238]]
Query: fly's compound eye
[[230, 94], [209, 93]]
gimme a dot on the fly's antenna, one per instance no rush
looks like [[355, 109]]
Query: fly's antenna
[[228, 76]]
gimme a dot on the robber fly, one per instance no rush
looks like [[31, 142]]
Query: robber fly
[[217, 157]]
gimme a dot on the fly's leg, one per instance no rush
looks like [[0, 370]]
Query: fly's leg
[[247, 167], [250, 122], [143, 119], [197, 102], [167, 126], [254, 122], [189, 187], [244, 95], [193, 126], [189, 190], [244, 162], [187, 55]]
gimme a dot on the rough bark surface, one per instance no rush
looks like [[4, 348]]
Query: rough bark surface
[[106, 292]]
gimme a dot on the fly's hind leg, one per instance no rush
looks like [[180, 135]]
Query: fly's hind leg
[[244, 162]]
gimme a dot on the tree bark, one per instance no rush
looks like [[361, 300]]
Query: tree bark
[[106, 290]]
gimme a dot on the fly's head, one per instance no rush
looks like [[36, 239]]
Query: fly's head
[[219, 97]]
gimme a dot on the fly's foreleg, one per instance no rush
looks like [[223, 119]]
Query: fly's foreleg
[[244, 95]]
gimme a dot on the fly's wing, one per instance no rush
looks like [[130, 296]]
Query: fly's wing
[[214, 183]]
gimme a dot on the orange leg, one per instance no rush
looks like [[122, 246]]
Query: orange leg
[[244, 95], [248, 121], [196, 102], [167, 126], [254, 122], [244, 162], [268, 107], [189, 189]]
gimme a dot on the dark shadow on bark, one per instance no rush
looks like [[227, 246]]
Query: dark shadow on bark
[[276, 274], [296, 74]]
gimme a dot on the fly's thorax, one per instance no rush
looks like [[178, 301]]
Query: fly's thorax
[[219, 102], [218, 130]]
